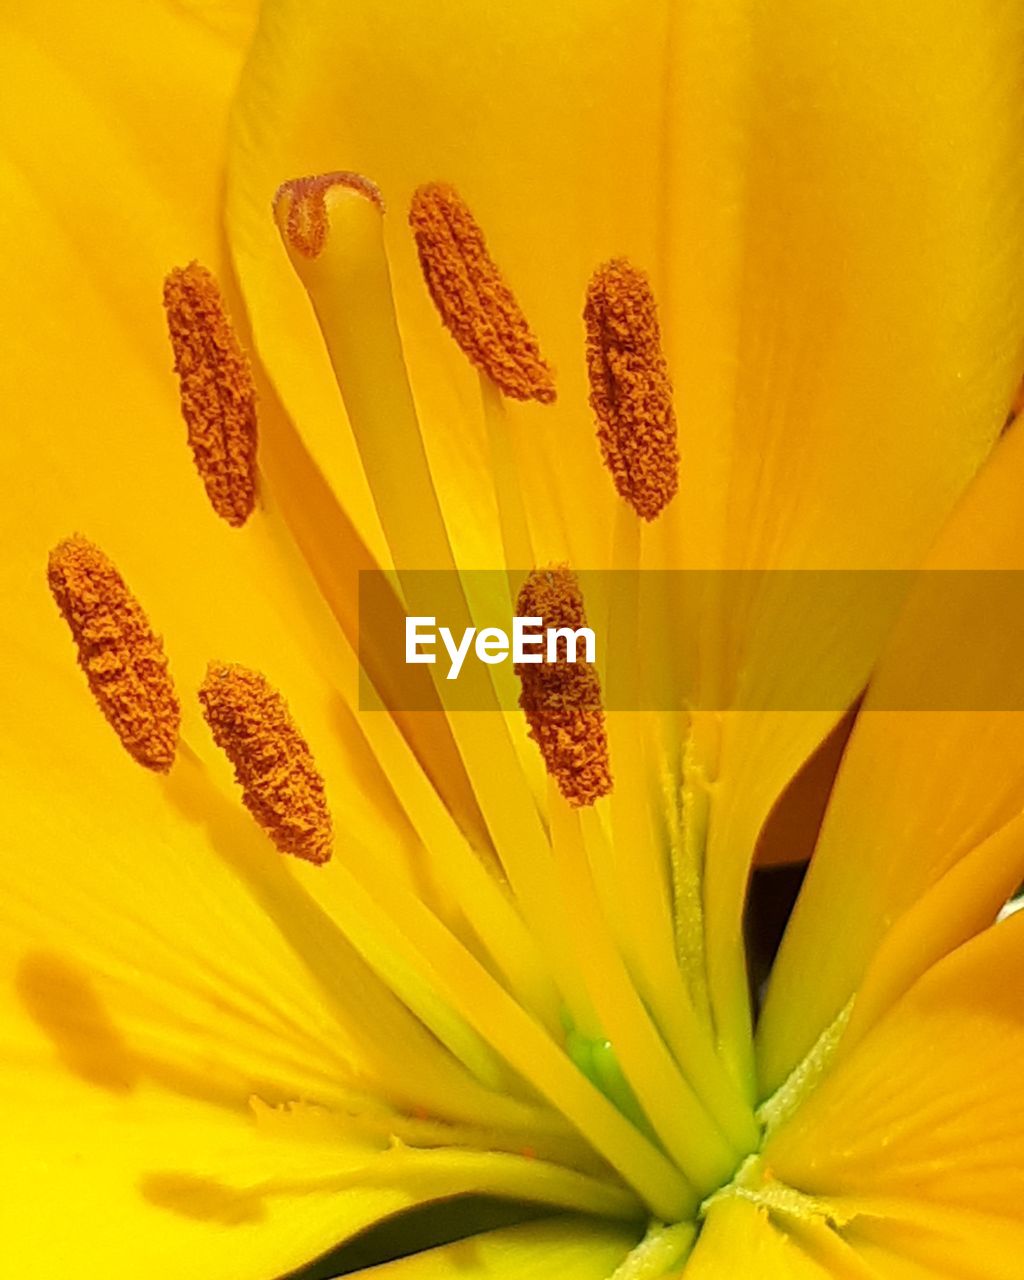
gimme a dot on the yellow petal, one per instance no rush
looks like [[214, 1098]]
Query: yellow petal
[[158, 1185], [959, 905], [918, 1134], [738, 1239], [113, 1182], [856, 410], [902, 1243], [878, 339], [564, 1249], [121, 165], [917, 790]]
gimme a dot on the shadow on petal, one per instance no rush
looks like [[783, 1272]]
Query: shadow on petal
[[203, 1199], [62, 1001]]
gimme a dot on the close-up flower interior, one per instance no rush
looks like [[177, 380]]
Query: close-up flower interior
[[302, 979]]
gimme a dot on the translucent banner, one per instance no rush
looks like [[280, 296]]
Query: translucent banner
[[781, 640]]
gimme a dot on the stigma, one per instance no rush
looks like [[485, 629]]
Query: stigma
[[300, 207]]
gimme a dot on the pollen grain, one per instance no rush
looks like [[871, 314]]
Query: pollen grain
[[304, 220], [476, 305], [630, 390], [218, 401], [562, 700], [123, 660], [281, 785]]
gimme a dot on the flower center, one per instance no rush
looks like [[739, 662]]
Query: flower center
[[548, 961]]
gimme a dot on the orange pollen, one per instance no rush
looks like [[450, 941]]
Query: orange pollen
[[122, 659], [218, 401], [281, 785], [305, 223], [562, 700], [630, 390], [475, 304]]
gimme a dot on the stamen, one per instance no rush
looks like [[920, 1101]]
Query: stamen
[[562, 700], [305, 222], [281, 786], [630, 391], [476, 305], [218, 401], [123, 660]]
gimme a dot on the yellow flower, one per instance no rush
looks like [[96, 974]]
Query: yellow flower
[[432, 961]]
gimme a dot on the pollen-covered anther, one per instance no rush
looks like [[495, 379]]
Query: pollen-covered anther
[[630, 390], [281, 785], [562, 699], [300, 207], [218, 401], [475, 304], [123, 660]]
